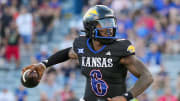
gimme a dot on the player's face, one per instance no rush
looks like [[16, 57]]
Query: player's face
[[105, 32], [105, 28]]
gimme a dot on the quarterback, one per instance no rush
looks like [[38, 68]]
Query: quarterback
[[104, 59]]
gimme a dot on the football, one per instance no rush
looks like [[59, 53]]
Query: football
[[30, 79]]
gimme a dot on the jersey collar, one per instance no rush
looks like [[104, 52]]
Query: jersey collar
[[91, 49]]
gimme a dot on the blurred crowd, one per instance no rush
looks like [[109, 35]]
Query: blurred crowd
[[35, 29]]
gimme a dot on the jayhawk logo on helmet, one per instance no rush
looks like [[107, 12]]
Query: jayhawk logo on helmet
[[91, 13]]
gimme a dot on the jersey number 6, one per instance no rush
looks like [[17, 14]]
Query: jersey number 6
[[98, 85]]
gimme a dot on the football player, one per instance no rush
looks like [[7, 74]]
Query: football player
[[104, 60]]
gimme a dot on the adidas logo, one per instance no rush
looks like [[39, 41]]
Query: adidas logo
[[108, 53]]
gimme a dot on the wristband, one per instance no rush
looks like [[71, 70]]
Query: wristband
[[128, 96]]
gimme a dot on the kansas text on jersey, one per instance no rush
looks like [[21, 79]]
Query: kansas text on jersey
[[96, 62]]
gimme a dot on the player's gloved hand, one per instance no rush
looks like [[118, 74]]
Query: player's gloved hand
[[39, 68], [117, 98]]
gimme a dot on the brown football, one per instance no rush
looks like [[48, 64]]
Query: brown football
[[30, 79]]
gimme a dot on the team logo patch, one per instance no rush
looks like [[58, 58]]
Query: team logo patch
[[80, 50], [131, 49], [108, 53]]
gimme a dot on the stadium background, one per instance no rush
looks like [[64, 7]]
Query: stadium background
[[32, 30]]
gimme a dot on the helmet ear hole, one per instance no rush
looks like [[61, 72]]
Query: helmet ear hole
[[90, 29], [114, 32]]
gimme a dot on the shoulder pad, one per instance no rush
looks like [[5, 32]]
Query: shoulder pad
[[123, 47], [79, 42]]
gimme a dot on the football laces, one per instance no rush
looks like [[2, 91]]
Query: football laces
[[25, 74]]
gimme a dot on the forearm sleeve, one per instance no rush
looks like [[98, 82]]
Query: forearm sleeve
[[58, 57]]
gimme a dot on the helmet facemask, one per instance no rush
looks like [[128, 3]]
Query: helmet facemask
[[105, 30]]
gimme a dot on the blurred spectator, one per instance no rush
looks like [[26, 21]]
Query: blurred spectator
[[49, 87], [135, 5], [145, 23], [72, 81], [118, 5], [140, 48], [2, 62], [172, 33], [132, 36], [94, 2], [3, 2], [14, 12], [2, 50], [163, 78], [60, 78], [78, 6], [72, 96], [168, 96], [162, 6], [68, 40], [25, 26], [142, 31], [153, 58], [107, 3], [12, 44], [33, 6], [68, 67], [154, 92], [55, 5], [15, 3], [121, 33], [57, 24], [65, 93], [6, 95], [161, 82], [163, 21], [21, 94], [5, 20], [44, 97], [178, 86], [173, 15], [46, 16], [158, 36], [43, 54], [173, 37]]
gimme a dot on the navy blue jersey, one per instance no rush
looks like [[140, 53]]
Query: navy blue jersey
[[105, 75]]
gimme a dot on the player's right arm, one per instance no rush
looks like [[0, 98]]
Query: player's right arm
[[56, 58]]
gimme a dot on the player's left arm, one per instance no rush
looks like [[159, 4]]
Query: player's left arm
[[139, 69]]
